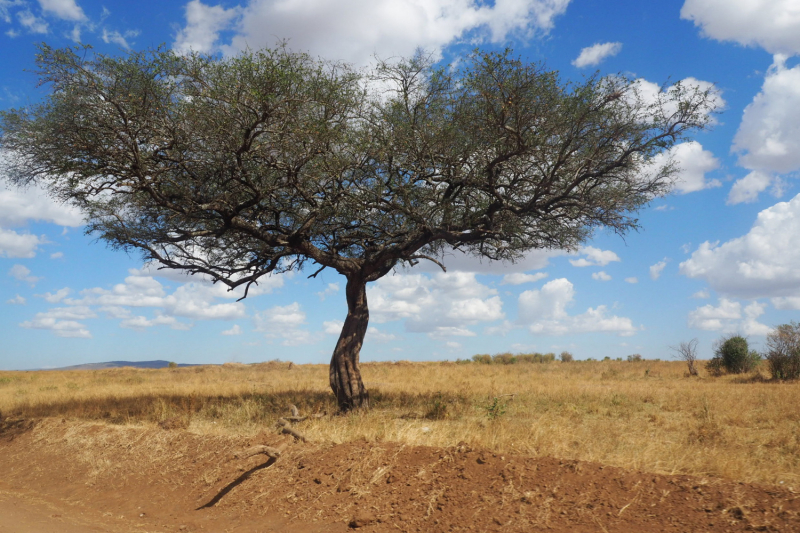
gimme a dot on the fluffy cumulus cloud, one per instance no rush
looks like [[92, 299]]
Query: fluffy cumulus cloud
[[285, 323], [13, 244], [192, 300], [771, 24], [441, 305], [63, 321], [649, 93], [594, 257], [657, 269], [544, 311], [203, 25], [354, 30], [761, 264], [728, 316], [595, 54], [601, 276], [768, 139], [63, 9], [458, 261], [692, 162]]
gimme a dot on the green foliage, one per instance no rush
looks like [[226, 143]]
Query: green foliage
[[635, 358], [495, 408], [437, 409], [566, 357], [733, 355], [783, 351], [507, 358], [172, 364]]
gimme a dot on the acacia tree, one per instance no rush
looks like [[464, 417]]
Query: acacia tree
[[253, 165]]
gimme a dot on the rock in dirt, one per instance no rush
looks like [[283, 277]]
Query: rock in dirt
[[362, 519]]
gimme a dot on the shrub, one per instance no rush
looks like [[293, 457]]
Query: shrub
[[504, 359], [484, 358], [687, 351], [635, 358], [566, 357], [734, 355], [172, 364], [783, 351]]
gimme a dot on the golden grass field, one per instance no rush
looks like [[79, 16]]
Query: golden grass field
[[642, 415]]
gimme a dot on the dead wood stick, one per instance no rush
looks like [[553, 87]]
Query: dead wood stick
[[295, 410], [269, 451], [294, 433]]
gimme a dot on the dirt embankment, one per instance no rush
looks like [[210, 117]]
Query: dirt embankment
[[76, 476]]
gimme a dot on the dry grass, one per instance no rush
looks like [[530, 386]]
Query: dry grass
[[645, 416]]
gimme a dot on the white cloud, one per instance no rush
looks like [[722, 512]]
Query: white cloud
[[657, 269], [283, 322], [693, 163], [762, 263], [63, 9], [747, 189], [13, 244], [62, 328], [32, 22], [57, 255], [594, 257], [56, 297], [429, 304], [22, 273], [596, 53], [5, 11], [519, 278], [545, 312], [376, 335], [63, 321], [768, 139], [354, 30], [113, 36], [650, 93], [333, 327], [702, 294], [20, 205], [632, 280], [771, 24], [17, 300], [235, 330], [727, 316], [140, 322], [601, 276], [452, 345], [203, 25], [332, 288]]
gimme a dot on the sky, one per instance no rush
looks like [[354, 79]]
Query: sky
[[718, 256]]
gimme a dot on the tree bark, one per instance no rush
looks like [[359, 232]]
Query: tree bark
[[345, 374]]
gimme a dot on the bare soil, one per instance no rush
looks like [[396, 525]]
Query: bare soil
[[72, 476]]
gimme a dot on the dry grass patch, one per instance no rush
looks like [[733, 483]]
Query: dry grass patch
[[645, 415]]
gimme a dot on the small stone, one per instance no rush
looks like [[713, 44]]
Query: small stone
[[362, 519]]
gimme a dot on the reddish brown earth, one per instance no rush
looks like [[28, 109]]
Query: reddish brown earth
[[68, 476]]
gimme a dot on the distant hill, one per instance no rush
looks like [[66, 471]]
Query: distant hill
[[120, 364]]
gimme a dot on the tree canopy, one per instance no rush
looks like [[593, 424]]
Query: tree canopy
[[241, 167]]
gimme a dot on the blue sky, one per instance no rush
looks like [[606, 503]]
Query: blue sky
[[719, 255]]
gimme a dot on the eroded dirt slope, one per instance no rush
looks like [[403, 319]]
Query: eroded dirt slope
[[113, 478]]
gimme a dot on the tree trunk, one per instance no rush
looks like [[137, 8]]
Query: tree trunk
[[345, 374]]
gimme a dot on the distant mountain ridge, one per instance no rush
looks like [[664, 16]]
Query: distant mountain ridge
[[120, 364]]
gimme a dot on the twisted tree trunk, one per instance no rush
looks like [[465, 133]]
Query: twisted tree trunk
[[345, 374]]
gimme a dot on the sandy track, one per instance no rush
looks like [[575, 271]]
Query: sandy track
[[61, 476]]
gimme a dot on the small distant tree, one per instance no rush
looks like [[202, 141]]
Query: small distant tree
[[566, 357], [687, 351], [272, 161], [635, 358], [783, 351], [172, 364], [732, 354]]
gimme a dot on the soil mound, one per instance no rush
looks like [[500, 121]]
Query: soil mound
[[121, 478]]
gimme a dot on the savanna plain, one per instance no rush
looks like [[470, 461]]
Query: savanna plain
[[646, 419]]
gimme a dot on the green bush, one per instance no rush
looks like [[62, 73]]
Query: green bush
[[566, 357], [783, 351], [484, 358], [732, 354], [635, 358]]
